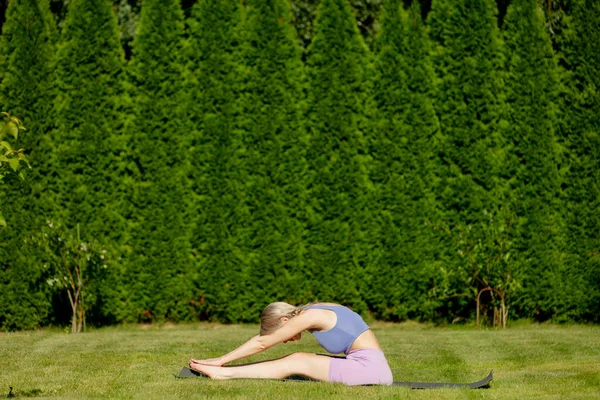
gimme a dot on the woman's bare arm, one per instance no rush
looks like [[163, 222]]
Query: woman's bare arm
[[249, 348], [259, 343]]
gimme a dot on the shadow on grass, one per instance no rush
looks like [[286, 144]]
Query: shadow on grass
[[27, 393]]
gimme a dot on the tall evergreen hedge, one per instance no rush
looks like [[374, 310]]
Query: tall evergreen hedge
[[224, 176], [582, 134], [216, 150], [27, 47], [339, 189], [533, 87], [404, 167], [270, 107], [161, 272]]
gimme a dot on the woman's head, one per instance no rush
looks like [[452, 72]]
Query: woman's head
[[275, 315]]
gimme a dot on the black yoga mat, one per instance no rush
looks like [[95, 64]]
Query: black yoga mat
[[484, 383]]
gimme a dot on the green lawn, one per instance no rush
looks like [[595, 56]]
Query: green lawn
[[529, 361]]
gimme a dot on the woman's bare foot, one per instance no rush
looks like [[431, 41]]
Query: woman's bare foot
[[211, 371]]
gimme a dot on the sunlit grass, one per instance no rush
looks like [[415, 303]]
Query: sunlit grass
[[540, 361]]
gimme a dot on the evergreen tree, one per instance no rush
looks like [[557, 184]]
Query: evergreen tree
[[470, 107], [532, 88], [26, 66], [275, 155], [161, 259], [469, 103], [404, 166], [26, 59], [89, 137], [216, 149], [339, 189], [582, 130]]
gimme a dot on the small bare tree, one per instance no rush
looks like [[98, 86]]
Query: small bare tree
[[488, 266], [70, 262]]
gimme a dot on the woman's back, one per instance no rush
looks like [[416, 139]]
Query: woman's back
[[342, 330]]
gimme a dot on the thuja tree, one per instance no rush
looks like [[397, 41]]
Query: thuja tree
[[88, 135], [338, 193], [26, 50], [469, 101], [582, 135], [403, 148], [470, 106], [532, 89], [160, 265], [88, 138], [270, 122], [216, 149]]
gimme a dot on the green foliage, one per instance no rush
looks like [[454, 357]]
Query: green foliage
[[26, 64], [26, 53], [160, 270], [24, 296], [26, 74], [404, 168], [582, 137], [339, 189], [20, 307], [89, 134], [470, 106], [89, 138], [532, 89], [216, 149], [274, 159], [11, 160], [469, 103]]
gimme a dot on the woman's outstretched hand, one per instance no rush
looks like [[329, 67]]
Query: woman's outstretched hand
[[217, 362]]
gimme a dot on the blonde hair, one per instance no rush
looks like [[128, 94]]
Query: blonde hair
[[270, 318]]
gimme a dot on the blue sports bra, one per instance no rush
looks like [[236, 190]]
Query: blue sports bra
[[348, 327]]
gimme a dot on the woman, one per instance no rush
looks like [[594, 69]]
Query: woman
[[337, 328]]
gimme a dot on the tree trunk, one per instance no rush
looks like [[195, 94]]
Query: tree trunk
[[74, 300], [79, 318], [504, 312], [75, 307]]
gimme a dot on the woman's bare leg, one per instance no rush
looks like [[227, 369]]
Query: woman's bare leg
[[305, 364]]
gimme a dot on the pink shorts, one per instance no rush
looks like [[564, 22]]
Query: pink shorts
[[361, 367]]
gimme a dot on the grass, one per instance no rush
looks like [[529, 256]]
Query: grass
[[529, 361]]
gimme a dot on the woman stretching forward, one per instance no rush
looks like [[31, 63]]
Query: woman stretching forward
[[337, 328]]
